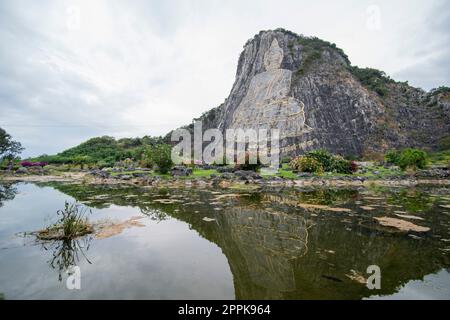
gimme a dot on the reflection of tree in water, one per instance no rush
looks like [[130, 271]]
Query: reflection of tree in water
[[412, 200], [67, 253], [7, 193], [153, 214]]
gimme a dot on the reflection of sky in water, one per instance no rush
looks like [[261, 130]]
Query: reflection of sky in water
[[164, 260], [433, 286]]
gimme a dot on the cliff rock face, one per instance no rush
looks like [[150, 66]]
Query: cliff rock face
[[306, 88]]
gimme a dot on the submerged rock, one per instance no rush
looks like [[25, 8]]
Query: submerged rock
[[401, 225], [109, 229]]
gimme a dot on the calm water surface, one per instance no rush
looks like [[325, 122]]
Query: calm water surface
[[235, 244]]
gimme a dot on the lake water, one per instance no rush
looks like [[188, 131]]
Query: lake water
[[233, 244]]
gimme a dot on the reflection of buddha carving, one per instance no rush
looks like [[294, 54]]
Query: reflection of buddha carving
[[267, 104]]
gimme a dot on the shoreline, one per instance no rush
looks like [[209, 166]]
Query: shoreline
[[226, 183]]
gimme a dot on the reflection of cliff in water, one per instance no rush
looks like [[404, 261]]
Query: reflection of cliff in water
[[276, 250], [261, 248]]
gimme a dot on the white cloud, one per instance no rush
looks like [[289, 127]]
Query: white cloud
[[139, 67]]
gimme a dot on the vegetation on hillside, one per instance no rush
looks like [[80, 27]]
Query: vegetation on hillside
[[159, 156], [312, 48], [103, 151], [372, 79]]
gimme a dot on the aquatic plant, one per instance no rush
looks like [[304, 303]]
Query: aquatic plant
[[72, 223]]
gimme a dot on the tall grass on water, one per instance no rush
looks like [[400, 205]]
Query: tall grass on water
[[72, 223], [68, 237]]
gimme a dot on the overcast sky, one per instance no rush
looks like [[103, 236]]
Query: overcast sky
[[71, 70]]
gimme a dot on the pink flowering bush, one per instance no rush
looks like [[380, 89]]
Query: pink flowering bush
[[28, 164]]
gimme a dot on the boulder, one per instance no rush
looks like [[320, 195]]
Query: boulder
[[100, 173], [247, 174], [180, 171], [226, 169], [22, 170]]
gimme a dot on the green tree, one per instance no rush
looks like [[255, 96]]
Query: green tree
[[8, 147], [81, 161], [392, 156], [408, 158], [159, 156]]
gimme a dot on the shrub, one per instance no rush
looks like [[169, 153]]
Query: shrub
[[341, 165], [324, 158], [27, 164], [392, 156], [160, 156], [104, 164], [306, 164], [326, 161], [81, 161], [285, 159], [408, 158], [412, 158], [353, 166]]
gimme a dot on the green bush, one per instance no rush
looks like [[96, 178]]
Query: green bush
[[412, 158], [159, 156], [340, 165], [81, 161], [408, 158], [104, 164], [327, 162], [392, 157], [306, 164], [323, 157]]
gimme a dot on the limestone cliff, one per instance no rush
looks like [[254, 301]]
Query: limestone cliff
[[307, 88]]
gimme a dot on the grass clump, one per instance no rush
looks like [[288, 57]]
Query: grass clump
[[204, 172], [440, 158], [73, 223]]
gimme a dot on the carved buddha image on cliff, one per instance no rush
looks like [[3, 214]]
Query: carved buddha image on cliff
[[267, 104]]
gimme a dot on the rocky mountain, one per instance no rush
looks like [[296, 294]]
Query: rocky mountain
[[307, 88]]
